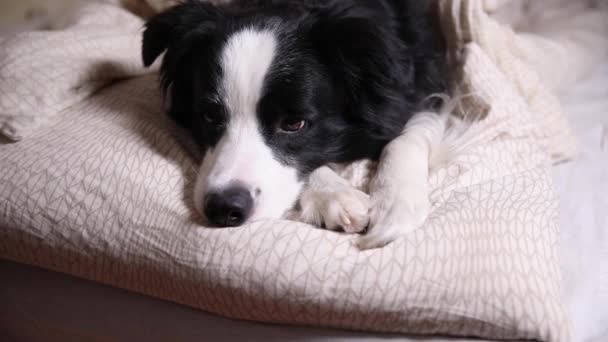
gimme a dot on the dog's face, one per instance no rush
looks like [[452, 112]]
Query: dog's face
[[271, 98]]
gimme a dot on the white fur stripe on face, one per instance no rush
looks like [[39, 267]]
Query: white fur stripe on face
[[245, 62], [242, 155]]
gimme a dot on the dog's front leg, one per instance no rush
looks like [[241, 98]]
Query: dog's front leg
[[399, 191], [332, 201]]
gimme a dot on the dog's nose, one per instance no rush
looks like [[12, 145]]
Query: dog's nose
[[229, 208]]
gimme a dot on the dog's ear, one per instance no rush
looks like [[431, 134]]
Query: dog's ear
[[359, 51], [174, 24]]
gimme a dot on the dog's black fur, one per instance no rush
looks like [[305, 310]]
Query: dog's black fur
[[354, 70]]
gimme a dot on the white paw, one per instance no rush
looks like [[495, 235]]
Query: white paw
[[340, 207], [395, 212]]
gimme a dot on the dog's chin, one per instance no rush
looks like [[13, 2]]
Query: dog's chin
[[276, 205]]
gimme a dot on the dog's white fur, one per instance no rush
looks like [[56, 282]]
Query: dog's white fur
[[399, 194], [241, 157], [330, 200]]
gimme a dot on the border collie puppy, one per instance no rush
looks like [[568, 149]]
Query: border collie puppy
[[277, 92]]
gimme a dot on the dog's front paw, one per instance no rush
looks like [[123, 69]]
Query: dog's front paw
[[395, 212], [341, 206]]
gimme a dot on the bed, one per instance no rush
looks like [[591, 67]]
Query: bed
[[38, 304], [43, 304]]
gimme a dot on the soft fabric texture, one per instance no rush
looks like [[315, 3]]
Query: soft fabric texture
[[582, 186], [45, 72], [102, 190]]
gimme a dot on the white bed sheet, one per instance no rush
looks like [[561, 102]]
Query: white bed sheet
[[583, 189]]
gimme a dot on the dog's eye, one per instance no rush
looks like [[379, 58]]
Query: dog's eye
[[211, 118], [292, 125], [212, 114]]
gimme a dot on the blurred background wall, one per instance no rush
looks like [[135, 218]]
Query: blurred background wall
[[31, 14], [19, 15]]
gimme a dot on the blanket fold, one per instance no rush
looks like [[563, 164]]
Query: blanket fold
[[44, 72]]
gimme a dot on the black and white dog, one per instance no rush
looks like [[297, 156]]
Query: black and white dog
[[279, 92]]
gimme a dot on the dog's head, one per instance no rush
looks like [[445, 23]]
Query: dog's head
[[270, 95]]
